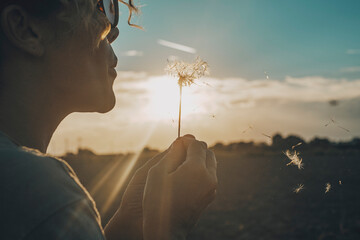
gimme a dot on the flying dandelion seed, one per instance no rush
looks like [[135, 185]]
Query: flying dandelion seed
[[294, 159], [332, 121], [268, 136], [266, 75], [327, 187], [347, 130], [296, 145], [187, 74], [299, 188], [212, 115], [249, 128], [207, 84]]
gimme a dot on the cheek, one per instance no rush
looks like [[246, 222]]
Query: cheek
[[80, 74]]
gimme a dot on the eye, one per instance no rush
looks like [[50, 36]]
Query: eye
[[100, 6]]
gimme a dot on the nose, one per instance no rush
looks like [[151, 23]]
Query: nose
[[113, 34]]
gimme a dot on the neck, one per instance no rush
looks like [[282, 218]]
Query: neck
[[29, 119]]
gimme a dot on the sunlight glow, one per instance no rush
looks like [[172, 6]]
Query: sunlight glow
[[164, 99], [126, 170]]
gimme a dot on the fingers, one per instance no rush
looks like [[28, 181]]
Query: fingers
[[211, 163], [141, 174], [175, 156], [185, 148], [196, 152], [188, 138], [153, 161]]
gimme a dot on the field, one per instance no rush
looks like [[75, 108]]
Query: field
[[256, 198]]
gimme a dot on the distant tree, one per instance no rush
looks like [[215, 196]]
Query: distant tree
[[243, 146], [219, 146], [85, 152], [278, 141], [320, 143], [355, 142]]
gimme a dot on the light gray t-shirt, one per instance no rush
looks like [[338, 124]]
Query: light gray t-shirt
[[42, 198]]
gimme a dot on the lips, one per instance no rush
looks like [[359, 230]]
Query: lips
[[112, 72], [114, 62]]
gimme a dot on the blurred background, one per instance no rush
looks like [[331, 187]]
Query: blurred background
[[279, 66], [281, 73]]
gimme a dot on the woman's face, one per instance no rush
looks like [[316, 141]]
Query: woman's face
[[83, 75]]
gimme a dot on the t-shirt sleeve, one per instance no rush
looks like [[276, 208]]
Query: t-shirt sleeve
[[74, 221], [41, 198]]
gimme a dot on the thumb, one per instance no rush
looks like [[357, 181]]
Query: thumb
[[175, 156]]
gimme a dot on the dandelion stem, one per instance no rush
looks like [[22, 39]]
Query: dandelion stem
[[180, 111]]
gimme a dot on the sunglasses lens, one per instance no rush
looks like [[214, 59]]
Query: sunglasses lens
[[109, 8]]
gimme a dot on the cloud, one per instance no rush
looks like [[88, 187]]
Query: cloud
[[176, 46], [354, 69], [306, 89], [353, 51], [133, 53], [294, 105]]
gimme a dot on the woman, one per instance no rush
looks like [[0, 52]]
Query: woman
[[56, 58]]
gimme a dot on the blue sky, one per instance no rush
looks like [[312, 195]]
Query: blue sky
[[244, 38]]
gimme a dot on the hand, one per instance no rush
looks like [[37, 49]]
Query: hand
[[127, 222], [178, 189]]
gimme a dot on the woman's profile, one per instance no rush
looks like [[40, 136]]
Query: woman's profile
[[55, 59]]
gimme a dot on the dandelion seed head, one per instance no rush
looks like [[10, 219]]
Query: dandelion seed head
[[299, 188], [327, 187], [187, 72], [294, 159]]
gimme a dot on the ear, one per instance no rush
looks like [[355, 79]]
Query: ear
[[21, 30]]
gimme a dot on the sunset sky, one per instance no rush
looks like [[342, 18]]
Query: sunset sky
[[275, 65]]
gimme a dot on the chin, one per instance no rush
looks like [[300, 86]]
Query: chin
[[107, 105], [104, 105]]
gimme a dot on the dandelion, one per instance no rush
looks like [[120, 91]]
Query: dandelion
[[186, 73], [327, 187], [294, 159], [299, 188]]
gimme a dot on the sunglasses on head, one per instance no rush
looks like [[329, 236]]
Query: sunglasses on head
[[111, 10]]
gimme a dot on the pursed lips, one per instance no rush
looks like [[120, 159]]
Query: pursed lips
[[112, 70]]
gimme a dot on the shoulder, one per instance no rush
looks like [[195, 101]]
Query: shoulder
[[34, 186], [30, 170]]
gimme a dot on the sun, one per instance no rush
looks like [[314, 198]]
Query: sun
[[163, 99]]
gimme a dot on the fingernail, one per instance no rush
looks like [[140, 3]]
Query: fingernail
[[189, 136]]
